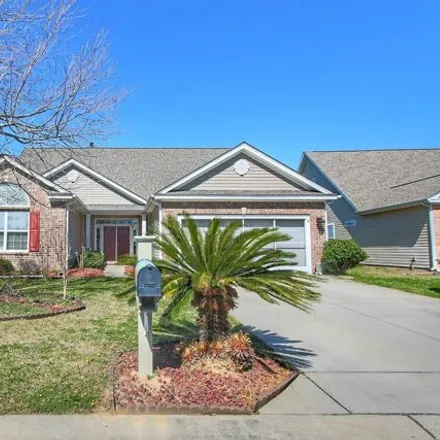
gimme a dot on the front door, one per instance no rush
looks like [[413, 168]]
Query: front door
[[123, 240], [110, 243]]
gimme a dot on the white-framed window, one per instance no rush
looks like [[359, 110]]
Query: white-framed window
[[331, 232], [14, 218]]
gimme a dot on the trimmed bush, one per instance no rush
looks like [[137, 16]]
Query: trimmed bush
[[341, 255], [94, 260], [29, 267], [6, 267], [127, 260]]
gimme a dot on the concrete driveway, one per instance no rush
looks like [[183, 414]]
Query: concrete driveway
[[362, 350]]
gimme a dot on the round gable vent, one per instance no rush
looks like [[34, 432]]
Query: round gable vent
[[72, 176], [241, 167]]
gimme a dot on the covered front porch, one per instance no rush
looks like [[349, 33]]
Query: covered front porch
[[109, 232]]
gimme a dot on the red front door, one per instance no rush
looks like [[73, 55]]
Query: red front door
[[123, 237], [110, 243]]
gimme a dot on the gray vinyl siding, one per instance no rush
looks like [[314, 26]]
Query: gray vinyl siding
[[91, 191], [257, 178], [337, 211], [390, 238], [74, 232]]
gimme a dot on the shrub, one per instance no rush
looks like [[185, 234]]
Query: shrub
[[94, 260], [127, 260], [239, 349], [29, 267], [236, 350], [341, 255], [6, 267]]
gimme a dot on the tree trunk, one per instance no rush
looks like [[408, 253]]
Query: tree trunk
[[213, 321]]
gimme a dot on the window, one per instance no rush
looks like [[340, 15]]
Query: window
[[14, 222], [331, 233]]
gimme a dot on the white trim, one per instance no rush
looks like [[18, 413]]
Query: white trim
[[334, 232], [61, 197], [6, 231], [305, 155], [432, 241], [33, 174], [326, 223], [144, 224], [307, 229], [434, 199], [100, 177], [233, 198], [256, 154]]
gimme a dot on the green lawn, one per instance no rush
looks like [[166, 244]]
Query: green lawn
[[17, 309], [418, 282], [59, 364]]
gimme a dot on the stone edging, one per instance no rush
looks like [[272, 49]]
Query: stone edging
[[194, 408], [76, 308]]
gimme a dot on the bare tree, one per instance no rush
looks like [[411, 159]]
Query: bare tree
[[50, 94]]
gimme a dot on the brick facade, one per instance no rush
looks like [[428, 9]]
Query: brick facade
[[314, 210], [52, 225]]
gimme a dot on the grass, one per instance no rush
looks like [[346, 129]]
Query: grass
[[418, 282], [59, 364], [18, 309], [127, 260]]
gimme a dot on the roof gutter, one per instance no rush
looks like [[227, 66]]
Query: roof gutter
[[393, 207], [238, 198]]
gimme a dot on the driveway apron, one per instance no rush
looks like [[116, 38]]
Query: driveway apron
[[362, 349]]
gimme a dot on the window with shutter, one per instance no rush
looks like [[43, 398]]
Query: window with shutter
[[14, 218]]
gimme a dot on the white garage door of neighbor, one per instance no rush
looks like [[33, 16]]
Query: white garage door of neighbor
[[298, 228]]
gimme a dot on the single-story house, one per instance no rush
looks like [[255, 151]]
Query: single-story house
[[53, 202], [390, 202]]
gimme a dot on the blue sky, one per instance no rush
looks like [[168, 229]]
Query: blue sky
[[284, 75]]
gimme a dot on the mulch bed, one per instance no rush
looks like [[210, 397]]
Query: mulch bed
[[181, 389], [86, 272], [52, 309]]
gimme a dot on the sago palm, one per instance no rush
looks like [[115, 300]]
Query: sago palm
[[210, 267]]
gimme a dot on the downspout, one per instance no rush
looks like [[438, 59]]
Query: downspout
[[432, 246]]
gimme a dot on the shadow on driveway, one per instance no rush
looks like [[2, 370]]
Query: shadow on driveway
[[287, 349]]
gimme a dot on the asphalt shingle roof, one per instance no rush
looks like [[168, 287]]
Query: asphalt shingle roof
[[141, 170], [381, 178]]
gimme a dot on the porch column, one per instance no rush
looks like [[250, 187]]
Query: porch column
[[144, 224], [144, 246], [88, 224]]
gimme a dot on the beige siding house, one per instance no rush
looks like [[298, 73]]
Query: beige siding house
[[388, 204], [102, 198]]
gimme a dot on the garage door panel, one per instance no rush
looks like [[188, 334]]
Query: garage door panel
[[294, 228]]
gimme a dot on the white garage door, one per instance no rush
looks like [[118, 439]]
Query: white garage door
[[296, 227]]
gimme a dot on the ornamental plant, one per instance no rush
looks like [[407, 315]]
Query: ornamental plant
[[341, 255], [209, 268]]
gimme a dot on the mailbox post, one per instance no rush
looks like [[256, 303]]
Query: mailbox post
[[148, 292]]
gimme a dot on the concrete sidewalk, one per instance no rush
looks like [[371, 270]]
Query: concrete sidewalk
[[99, 427]]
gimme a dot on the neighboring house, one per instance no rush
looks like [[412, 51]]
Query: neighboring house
[[55, 201], [390, 202]]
